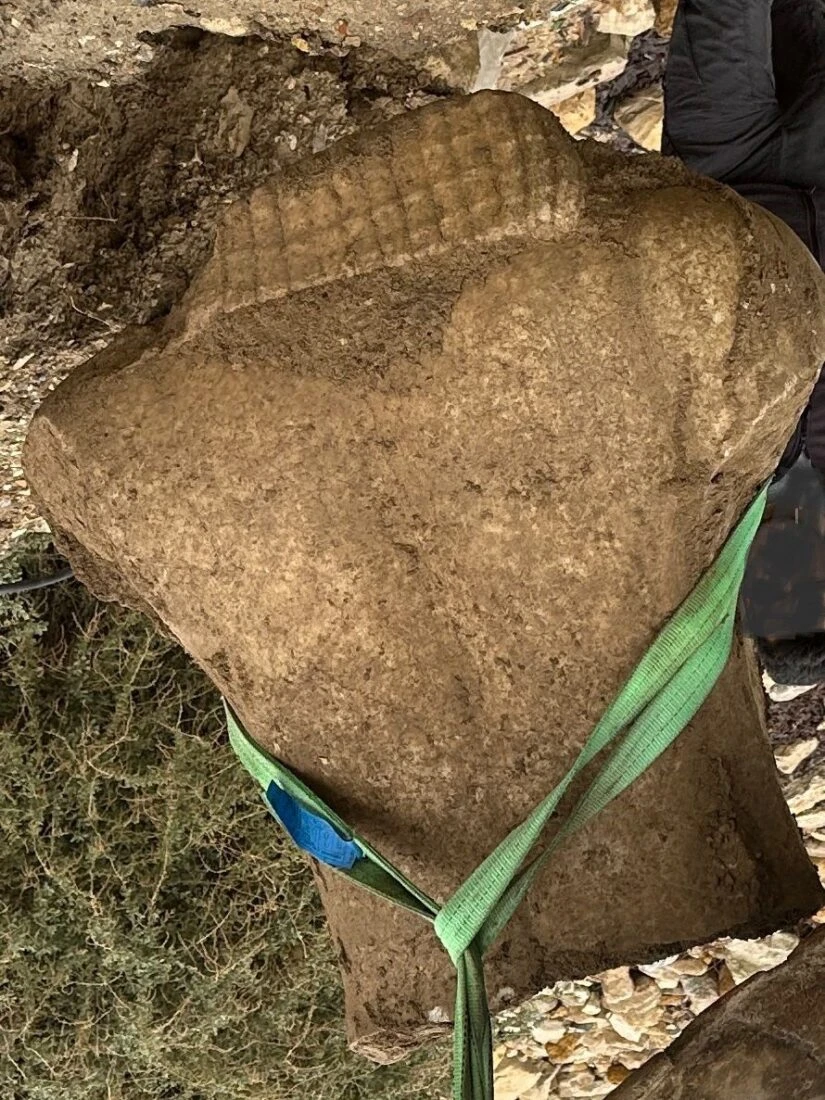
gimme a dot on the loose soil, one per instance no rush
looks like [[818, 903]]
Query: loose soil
[[110, 192]]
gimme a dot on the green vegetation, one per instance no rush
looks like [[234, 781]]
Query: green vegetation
[[158, 939]]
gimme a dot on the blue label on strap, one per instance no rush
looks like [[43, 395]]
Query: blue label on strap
[[311, 833]]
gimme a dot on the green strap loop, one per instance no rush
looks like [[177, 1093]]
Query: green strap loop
[[374, 873], [655, 699], [472, 1030], [665, 691]]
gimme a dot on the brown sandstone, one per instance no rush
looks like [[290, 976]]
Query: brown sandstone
[[453, 419]]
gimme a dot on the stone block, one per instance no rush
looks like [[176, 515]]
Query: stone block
[[452, 420]]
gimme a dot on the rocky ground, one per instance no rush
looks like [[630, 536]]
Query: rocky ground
[[125, 130]]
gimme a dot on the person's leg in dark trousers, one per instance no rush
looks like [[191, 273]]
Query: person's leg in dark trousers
[[798, 48], [799, 75], [722, 117]]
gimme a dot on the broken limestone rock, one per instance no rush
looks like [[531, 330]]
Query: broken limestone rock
[[617, 987], [577, 112], [514, 1078], [805, 793], [747, 957], [642, 117], [702, 991], [665, 15], [641, 1011], [552, 60], [791, 755], [627, 17], [579, 1083], [455, 416], [764, 1041]]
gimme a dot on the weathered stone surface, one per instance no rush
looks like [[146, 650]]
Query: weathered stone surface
[[581, 1083], [389, 473], [641, 1010], [804, 794], [690, 966], [627, 1031], [541, 1090], [572, 994], [617, 987], [790, 756], [627, 17], [565, 1051], [748, 957], [550, 62], [765, 1041], [577, 112], [642, 117], [702, 992], [665, 14], [514, 1078], [809, 823], [553, 1031], [668, 973], [667, 978]]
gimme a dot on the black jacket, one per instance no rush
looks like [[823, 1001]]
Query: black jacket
[[745, 105], [804, 211]]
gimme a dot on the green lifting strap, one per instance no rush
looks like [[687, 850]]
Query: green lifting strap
[[664, 692]]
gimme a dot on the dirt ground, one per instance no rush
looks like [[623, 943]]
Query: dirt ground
[[49, 37], [110, 191]]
